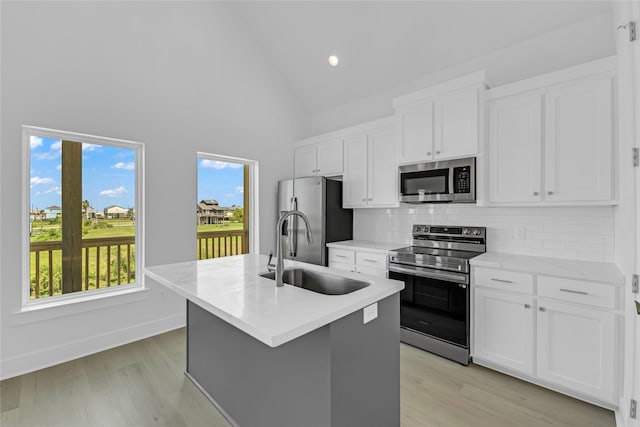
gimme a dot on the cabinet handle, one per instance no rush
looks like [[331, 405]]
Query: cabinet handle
[[571, 291], [340, 256], [535, 193], [370, 199], [364, 200], [370, 260], [501, 280], [550, 193], [542, 309], [437, 152], [527, 306], [428, 153]]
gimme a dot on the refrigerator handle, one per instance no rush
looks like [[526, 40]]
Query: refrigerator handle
[[293, 228]]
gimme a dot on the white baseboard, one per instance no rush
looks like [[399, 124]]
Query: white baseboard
[[47, 357]]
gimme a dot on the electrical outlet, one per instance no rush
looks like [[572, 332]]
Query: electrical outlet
[[369, 313]]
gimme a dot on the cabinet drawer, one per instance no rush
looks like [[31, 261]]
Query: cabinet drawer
[[342, 255], [341, 266], [372, 271], [506, 280], [369, 259], [595, 294]]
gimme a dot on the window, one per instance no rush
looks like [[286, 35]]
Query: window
[[82, 214], [223, 208]]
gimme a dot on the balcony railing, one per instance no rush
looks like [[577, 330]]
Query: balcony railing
[[105, 262], [111, 261], [214, 244]]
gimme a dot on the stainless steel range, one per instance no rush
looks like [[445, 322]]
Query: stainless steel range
[[434, 305]]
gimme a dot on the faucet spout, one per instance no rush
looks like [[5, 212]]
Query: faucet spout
[[279, 257]]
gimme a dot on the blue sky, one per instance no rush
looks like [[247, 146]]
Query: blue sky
[[108, 174], [221, 181]]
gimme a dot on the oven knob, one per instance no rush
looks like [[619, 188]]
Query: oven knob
[[476, 232], [466, 231], [418, 229]]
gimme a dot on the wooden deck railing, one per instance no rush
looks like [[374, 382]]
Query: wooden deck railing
[[111, 261], [214, 244], [105, 262]]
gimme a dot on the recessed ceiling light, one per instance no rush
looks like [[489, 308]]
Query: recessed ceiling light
[[333, 61]]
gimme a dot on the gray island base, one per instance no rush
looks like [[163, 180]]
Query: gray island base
[[344, 374]]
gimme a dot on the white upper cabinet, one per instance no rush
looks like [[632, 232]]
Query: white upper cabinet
[[305, 161], [414, 132], [319, 159], [383, 172], [455, 119], [440, 122], [515, 147], [354, 184], [579, 140], [370, 173], [550, 139]]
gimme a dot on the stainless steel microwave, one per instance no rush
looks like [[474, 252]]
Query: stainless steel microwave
[[442, 181]]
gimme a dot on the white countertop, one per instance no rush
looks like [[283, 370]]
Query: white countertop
[[367, 245], [231, 289], [581, 270]]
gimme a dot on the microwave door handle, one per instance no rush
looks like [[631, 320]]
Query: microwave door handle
[[441, 275]]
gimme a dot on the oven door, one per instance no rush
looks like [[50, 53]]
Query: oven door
[[434, 302]]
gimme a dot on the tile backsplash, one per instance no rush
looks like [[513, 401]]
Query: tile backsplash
[[579, 233]]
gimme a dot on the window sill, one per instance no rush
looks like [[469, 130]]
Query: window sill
[[43, 311]]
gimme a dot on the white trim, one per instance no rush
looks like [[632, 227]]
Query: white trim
[[43, 358], [79, 304], [477, 78], [589, 69], [341, 133], [254, 196], [28, 305]]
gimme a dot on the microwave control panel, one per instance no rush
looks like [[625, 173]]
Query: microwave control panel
[[462, 179]]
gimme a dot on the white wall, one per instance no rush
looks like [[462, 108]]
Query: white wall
[[571, 45], [179, 77]]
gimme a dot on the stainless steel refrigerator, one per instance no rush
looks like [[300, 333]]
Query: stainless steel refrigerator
[[320, 199]]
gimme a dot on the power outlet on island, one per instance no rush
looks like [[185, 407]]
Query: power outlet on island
[[369, 313]]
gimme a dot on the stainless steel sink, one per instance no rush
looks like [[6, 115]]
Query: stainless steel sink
[[315, 281]]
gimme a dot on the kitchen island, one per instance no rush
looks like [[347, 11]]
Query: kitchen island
[[269, 356]]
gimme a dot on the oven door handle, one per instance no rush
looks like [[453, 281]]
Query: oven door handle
[[450, 277]]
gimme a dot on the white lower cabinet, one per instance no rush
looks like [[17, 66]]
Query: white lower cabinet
[[560, 333], [504, 328], [576, 347], [356, 261]]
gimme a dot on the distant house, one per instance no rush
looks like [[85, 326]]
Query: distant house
[[35, 215], [89, 212], [209, 212], [115, 211], [52, 212]]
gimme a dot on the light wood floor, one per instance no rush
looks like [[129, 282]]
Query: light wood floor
[[142, 384]]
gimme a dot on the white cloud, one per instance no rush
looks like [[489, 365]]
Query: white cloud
[[217, 164], [59, 167], [89, 147], [55, 150], [126, 166], [56, 190], [240, 189], [116, 192], [36, 180], [35, 142]]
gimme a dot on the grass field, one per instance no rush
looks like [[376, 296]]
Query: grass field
[[215, 247]]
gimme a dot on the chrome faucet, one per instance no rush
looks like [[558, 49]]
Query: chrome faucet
[[279, 257]]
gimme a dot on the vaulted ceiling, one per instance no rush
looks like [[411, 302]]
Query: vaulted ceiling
[[382, 44]]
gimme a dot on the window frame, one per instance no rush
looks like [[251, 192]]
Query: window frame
[[87, 295], [254, 232]]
